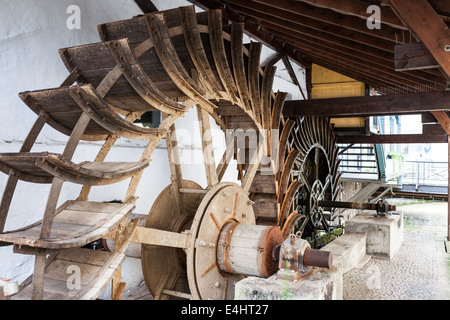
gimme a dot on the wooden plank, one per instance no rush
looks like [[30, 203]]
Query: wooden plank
[[393, 139], [263, 184], [428, 26], [413, 56], [265, 206], [412, 103]]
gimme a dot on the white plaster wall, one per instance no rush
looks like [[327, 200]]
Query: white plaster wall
[[31, 32]]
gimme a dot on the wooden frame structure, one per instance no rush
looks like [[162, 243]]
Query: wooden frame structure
[[409, 53], [174, 60]]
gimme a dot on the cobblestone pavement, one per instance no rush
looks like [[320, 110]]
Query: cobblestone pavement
[[419, 271]]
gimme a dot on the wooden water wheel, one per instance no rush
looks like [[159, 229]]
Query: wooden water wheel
[[170, 62]]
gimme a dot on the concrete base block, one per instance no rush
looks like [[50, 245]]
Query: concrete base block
[[384, 234], [349, 251], [321, 284]]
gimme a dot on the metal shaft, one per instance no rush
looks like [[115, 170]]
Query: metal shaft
[[352, 205], [318, 258]]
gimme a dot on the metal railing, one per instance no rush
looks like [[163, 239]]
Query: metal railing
[[428, 173]]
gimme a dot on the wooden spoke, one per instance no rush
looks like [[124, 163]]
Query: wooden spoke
[[237, 34], [167, 54], [219, 54], [139, 80], [253, 78], [286, 173], [196, 50]]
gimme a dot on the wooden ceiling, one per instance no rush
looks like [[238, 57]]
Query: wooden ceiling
[[335, 35]]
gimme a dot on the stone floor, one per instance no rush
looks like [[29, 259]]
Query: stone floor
[[419, 271]]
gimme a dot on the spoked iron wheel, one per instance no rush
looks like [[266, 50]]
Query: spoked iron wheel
[[317, 168]]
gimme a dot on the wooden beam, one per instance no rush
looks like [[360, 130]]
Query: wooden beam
[[253, 30], [285, 18], [443, 119], [370, 106], [420, 16], [146, 6], [302, 10], [374, 66], [291, 72], [393, 138], [413, 56], [358, 9]]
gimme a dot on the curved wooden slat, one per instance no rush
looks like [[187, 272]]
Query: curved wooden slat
[[285, 174], [75, 224], [277, 109], [266, 93], [196, 50], [253, 78], [237, 53], [219, 54], [283, 144], [43, 167], [90, 102], [287, 200], [139, 80], [169, 58], [62, 113], [266, 110]]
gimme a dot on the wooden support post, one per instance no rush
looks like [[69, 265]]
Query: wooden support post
[[146, 6], [443, 119], [12, 179], [176, 176], [448, 200], [208, 148]]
